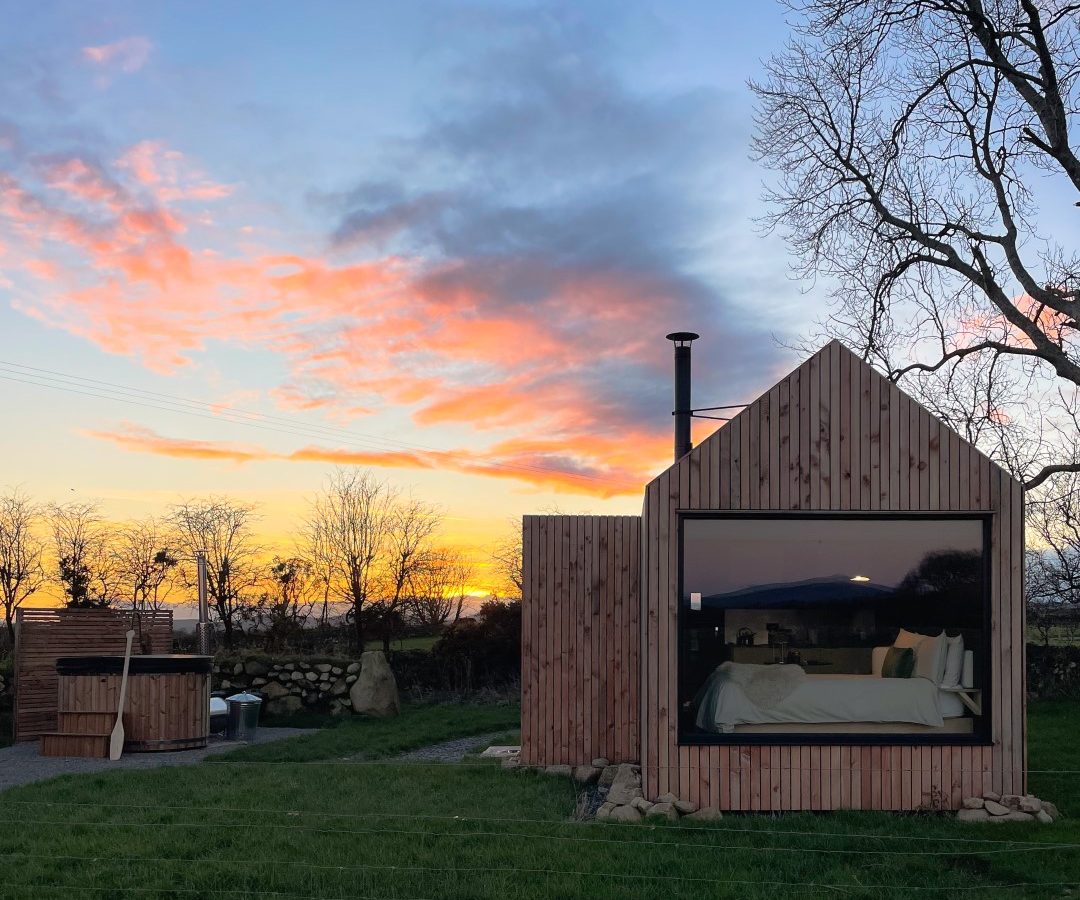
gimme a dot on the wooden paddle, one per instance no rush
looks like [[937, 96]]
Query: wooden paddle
[[116, 740]]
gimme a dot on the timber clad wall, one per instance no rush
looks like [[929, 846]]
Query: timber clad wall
[[580, 639], [833, 435]]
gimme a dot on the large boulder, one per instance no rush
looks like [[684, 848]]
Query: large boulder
[[375, 692]]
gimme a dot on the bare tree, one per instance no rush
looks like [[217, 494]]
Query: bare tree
[[925, 169], [222, 528], [353, 518], [506, 561], [412, 525], [1052, 573], [22, 549], [439, 588], [146, 556], [320, 555], [85, 567], [284, 608]]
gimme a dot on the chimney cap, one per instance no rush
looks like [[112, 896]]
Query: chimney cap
[[683, 338]]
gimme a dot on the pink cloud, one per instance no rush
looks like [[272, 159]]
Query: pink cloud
[[128, 54], [168, 175], [113, 252]]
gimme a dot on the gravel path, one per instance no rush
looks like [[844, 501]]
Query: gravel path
[[451, 751], [22, 764]]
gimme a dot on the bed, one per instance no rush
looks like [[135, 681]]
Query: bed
[[723, 706]]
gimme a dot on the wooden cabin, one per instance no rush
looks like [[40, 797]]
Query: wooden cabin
[[820, 607]]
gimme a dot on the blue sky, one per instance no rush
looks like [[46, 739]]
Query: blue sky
[[460, 228]]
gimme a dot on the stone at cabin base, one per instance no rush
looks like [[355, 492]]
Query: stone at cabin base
[[625, 786], [705, 814], [663, 810], [624, 814], [604, 812]]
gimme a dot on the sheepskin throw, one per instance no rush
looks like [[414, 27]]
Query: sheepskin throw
[[764, 686]]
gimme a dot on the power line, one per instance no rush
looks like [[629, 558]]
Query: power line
[[103, 390], [247, 892], [466, 817], [577, 873], [1021, 847]]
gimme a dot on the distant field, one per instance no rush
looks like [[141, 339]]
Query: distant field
[[412, 643], [1059, 636]]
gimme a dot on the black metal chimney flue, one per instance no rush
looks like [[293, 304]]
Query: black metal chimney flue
[[682, 411]]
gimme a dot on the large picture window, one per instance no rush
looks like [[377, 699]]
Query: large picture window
[[863, 629]]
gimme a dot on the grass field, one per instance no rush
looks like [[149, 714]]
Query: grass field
[[410, 643], [296, 821]]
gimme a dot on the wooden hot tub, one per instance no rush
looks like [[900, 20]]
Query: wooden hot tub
[[168, 699]]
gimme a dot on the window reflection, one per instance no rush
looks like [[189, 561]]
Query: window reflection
[[831, 626]]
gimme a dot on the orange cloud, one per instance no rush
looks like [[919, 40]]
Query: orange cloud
[[143, 440], [545, 465]]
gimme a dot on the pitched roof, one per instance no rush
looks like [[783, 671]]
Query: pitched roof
[[836, 434]]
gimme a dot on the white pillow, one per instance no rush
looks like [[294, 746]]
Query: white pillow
[[929, 653], [954, 660]]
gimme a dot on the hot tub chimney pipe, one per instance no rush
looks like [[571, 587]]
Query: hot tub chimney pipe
[[682, 411], [202, 627]]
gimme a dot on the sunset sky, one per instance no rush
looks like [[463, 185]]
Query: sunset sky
[[441, 239]]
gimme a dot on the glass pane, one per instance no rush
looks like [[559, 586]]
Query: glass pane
[[832, 626]]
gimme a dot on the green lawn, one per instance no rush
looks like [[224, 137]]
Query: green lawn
[[298, 822]]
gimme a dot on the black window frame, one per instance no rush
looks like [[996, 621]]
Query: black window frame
[[982, 734]]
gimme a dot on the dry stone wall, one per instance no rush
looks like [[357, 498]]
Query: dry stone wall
[[289, 686]]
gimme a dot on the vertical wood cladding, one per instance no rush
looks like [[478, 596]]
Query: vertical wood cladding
[[834, 435], [580, 656], [599, 617]]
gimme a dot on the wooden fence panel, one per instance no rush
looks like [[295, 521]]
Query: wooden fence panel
[[44, 635]]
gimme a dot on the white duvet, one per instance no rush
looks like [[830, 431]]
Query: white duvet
[[723, 704]]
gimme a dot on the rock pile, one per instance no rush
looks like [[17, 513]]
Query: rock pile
[[994, 807], [619, 794]]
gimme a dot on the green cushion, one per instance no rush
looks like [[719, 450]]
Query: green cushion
[[899, 663]]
